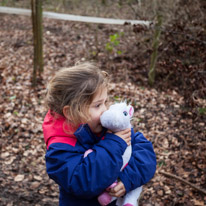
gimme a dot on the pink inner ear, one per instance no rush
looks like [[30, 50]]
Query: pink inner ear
[[130, 111]]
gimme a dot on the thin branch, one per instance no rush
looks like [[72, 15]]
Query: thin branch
[[134, 10], [183, 181]]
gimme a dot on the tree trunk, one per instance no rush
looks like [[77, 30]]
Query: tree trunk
[[155, 46], [36, 7]]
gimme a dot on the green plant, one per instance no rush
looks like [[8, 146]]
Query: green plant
[[202, 111], [117, 98], [161, 163], [113, 43], [12, 97], [15, 113], [4, 3]]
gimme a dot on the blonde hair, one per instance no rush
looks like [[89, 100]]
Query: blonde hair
[[75, 87]]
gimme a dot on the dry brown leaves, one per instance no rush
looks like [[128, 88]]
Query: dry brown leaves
[[178, 135]]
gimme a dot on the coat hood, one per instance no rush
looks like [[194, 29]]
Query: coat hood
[[56, 129]]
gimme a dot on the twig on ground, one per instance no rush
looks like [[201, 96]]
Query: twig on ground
[[184, 181]]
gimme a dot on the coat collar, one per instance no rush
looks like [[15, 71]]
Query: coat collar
[[86, 137]]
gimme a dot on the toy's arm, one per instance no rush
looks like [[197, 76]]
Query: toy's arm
[[142, 164]]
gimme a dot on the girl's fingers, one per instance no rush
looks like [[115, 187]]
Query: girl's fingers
[[125, 135], [118, 194], [126, 131], [118, 190], [128, 141]]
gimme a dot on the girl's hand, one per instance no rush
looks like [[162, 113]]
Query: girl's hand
[[125, 135], [118, 191]]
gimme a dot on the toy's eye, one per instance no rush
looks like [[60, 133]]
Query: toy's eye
[[125, 113]]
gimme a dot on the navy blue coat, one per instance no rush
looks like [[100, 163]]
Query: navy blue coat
[[81, 179]]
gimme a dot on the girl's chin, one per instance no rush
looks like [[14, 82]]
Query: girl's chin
[[97, 129]]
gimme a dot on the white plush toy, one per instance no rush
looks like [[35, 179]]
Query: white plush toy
[[117, 118]]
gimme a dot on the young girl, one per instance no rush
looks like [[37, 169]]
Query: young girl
[[76, 98]]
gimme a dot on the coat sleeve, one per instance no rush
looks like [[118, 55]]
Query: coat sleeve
[[142, 164], [86, 177]]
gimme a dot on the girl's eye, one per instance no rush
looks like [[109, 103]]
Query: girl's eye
[[125, 113], [98, 105]]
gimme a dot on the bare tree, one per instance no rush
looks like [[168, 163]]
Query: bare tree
[[155, 46], [36, 6]]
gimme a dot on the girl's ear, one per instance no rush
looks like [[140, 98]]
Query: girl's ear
[[66, 111]]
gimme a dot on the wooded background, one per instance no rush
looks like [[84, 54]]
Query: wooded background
[[171, 111]]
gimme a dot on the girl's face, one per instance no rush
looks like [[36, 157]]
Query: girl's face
[[96, 108]]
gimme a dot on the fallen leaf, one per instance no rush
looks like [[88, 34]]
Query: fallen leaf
[[19, 178]]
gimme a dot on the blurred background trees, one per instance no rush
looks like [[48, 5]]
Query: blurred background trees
[[179, 55]]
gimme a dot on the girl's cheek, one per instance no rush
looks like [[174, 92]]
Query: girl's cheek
[[97, 118]]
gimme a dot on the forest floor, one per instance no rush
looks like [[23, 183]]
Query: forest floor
[[162, 112]]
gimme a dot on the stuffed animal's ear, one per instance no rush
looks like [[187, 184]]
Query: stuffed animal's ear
[[131, 110]]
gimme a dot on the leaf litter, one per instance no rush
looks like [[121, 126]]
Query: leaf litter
[[176, 130]]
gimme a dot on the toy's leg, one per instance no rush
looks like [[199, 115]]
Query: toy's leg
[[131, 198], [105, 198]]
